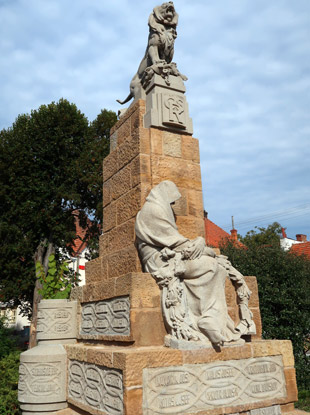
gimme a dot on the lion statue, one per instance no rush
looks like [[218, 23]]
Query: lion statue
[[159, 51]]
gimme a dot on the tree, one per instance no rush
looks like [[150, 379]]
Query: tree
[[49, 162], [284, 286]]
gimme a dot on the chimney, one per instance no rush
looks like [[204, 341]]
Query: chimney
[[233, 234], [301, 238], [283, 233]]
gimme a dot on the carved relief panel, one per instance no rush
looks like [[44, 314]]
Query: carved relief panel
[[96, 386], [110, 317], [193, 388], [56, 320]]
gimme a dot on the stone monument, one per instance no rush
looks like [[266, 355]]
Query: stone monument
[[165, 324]]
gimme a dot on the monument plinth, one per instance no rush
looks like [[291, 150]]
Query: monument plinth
[[184, 337], [121, 327]]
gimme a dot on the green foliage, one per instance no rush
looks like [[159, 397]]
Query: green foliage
[[58, 281], [7, 340], [303, 400], [51, 165], [8, 383], [284, 286], [9, 362]]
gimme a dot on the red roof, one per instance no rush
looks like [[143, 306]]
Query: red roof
[[216, 235], [78, 244], [301, 249]]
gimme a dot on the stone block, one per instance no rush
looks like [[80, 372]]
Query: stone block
[[184, 174], [99, 290], [195, 203], [166, 106], [56, 321], [252, 284], [133, 361], [156, 139], [77, 352], [108, 317], [143, 137], [237, 384], [122, 236], [142, 288], [140, 170], [120, 183], [95, 388], [113, 141], [258, 322], [106, 194], [123, 262], [133, 401], [187, 147], [136, 118], [99, 356], [196, 154], [147, 327], [190, 227], [110, 165], [274, 347], [109, 217], [291, 385], [104, 244], [93, 269], [124, 131], [128, 205], [42, 379], [137, 107], [212, 355], [172, 144], [127, 151]]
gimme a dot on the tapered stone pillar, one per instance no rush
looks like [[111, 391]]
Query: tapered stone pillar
[[121, 365], [139, 159]]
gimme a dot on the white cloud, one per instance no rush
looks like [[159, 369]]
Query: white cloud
[[248, 88]]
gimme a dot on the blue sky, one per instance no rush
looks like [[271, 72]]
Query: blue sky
[[248, 64]]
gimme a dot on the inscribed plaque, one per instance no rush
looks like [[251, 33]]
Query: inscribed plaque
[[193, 388]]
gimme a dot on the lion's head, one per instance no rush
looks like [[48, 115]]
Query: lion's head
[[166, 14]]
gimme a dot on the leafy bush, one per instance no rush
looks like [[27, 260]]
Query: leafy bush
[[7, 340], [9, 362], [284, 285], [8, 383], [303, 400], [59, 280]]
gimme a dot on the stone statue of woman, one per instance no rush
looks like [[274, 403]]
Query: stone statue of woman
[[191, 275]]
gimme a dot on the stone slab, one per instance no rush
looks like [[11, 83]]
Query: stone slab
[[57, 321], [95, 387], [109, 317], [145, 315], [269, 410], [189, 389], [42, 378], [166, 105]]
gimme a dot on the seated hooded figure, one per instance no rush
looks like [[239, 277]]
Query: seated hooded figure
[[191, 275]]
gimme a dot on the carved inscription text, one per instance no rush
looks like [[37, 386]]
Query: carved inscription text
[[193, 388]]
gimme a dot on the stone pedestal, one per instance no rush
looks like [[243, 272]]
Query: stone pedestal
[[42, 385], [166, 105], [42, 379], [120, 364]]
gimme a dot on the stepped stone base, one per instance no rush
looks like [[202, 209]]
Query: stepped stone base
[[127, 310], [160, 380]]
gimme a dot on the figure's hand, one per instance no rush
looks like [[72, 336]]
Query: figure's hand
[[196, 248]]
